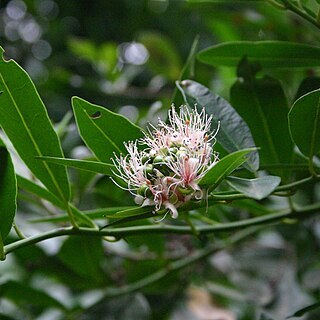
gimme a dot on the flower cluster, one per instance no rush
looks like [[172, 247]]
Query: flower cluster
[[174, 157]]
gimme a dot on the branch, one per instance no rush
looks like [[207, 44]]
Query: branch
[[160, 228]]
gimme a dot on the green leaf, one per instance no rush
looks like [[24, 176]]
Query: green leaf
[[270, 54], [136, 211], [263, 105], [8, 192], [303, 311], [38, 191], [98, 214], [304, 123], [25, 294], [234, 134], [258, 188], [92, 166], [84, 256], [25, 121], [128, 215], [103, 131], [225, 167]]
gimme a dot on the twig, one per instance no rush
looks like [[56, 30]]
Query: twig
[[126, 231]]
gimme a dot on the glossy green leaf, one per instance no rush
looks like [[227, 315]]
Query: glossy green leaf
[[25, 121], [225, 167], [26, 295], [305, 310], [258, 188], [83, 255], [8, 192], [92, 166], [103, 131], [263, 106], [304, 123], [234, 134], [37, 190], [270, 54]]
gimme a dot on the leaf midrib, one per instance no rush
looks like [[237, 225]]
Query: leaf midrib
[[31, 137]]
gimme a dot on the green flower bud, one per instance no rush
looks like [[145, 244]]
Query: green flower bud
[[148, 168], [185, 191], [142, 190], [145, 159], [158, 159], [173, 150]]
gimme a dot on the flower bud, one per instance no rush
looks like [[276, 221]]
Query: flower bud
[[145, 159], [142, 190], [173, 150], [148, 168], [158, 159], [185, 191]]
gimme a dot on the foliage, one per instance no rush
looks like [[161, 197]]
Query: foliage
[[247, 248]]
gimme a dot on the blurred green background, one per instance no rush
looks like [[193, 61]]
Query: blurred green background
[[126, 55]]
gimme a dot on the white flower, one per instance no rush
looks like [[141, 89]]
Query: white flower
[[176, 156]]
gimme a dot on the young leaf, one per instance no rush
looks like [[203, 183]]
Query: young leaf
[[93, 166], [225, 167], [258, 188], [234, 134], [304, 123], [103, 131], [263, 105], [270, 54], [8, 192], [25, 121]]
